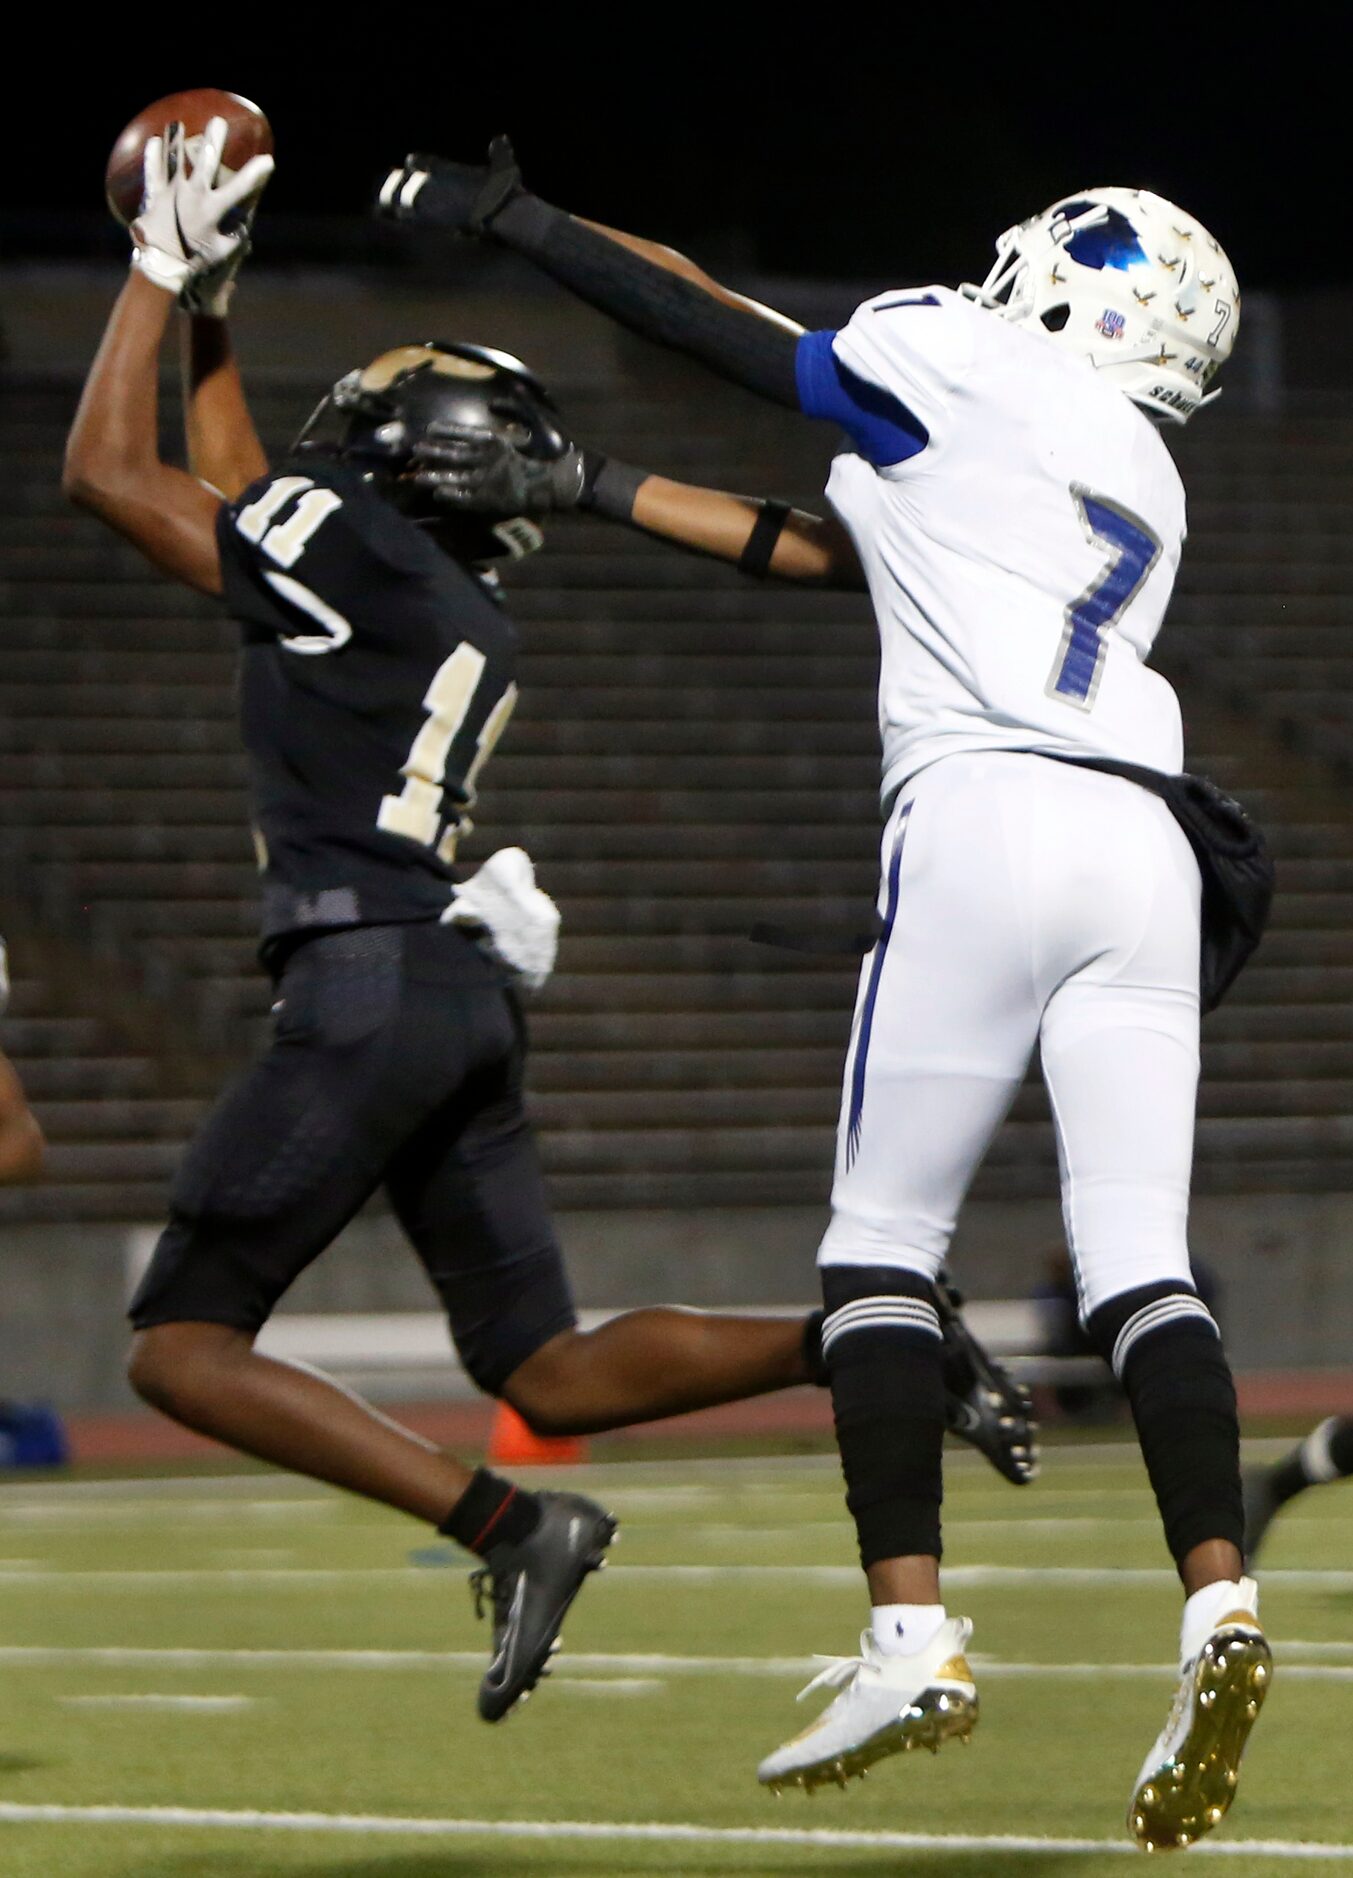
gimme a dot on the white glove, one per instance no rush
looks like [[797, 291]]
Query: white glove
[[210, 293], [519, 920], [4, 978], [182, 241]]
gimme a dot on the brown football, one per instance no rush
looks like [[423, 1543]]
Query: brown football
[[248, 134]]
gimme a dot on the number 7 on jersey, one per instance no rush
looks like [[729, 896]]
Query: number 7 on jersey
[[1080, 657]]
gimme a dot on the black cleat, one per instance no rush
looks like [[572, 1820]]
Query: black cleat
[[1261, 1503], [983, 1404], [532, 1584]]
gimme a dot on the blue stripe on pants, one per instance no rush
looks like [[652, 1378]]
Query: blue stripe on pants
[[860, 1064]]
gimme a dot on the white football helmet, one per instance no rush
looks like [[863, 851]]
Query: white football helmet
[[1129, 282]]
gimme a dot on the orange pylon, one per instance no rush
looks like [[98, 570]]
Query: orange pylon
[[515, 1445]]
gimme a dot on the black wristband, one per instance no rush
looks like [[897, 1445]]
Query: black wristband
[[766, 531], [609, 486]]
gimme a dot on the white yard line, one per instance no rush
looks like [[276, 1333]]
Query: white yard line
[[300, 1578], [155, 1488], [657, 1831], [133, 1514], [244, 1556], [602, 1664], [188, 1704], [1103, 1456], [1048, 1577], [734, 1529], [768, 1474], [1288, 1672]]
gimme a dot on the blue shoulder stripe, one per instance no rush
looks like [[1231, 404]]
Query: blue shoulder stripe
[[880, 426]]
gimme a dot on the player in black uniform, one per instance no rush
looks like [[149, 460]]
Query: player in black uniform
[[377, 674]]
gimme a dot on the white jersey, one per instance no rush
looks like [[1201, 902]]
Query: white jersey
[[1021, 559]]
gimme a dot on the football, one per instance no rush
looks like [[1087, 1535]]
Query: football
[[248, 134]]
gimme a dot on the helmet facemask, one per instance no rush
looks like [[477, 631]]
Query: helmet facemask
[[1130, 283], [385, 421]]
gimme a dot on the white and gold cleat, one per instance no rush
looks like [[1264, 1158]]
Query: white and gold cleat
[[888, 1705], [1189, 1778]]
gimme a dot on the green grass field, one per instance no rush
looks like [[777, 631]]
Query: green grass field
[[247, 1646]]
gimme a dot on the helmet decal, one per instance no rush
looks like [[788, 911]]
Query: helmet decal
[[1128, 282], [1110, 243], [382, 372]]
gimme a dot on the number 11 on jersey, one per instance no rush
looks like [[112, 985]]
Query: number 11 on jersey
[[416, 811], [1080, 657]]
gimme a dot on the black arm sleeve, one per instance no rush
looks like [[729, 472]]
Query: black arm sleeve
[[652, 302]]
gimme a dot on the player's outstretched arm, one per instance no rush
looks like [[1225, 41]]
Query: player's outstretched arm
[[759, 537], [113, 464], [653, 290], [481, 473]]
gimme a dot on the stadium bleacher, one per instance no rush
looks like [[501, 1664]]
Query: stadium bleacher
[[692, 753]]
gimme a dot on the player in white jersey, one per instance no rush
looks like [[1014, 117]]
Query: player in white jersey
[[1019, 563], [1019, 522]]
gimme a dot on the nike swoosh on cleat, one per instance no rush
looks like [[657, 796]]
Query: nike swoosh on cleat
[[511, 1631]]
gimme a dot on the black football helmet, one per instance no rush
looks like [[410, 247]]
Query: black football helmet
[[386, 421]]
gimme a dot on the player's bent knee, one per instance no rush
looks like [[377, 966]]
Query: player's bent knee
[[1134, 1320], [544, 1389], [172, 1364]]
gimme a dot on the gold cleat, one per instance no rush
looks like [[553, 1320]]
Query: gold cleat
[[1190, 1776], [887, 1705], [936, 1717]]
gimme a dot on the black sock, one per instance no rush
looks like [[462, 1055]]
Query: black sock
[[1341, 1445], [1289, 1477], [491, 1511], [1166, 1351], [881, 1344], [1302, 1468]]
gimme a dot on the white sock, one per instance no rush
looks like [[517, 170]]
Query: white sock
[[1317, 1463], [1206, 1608], [903, 1629]]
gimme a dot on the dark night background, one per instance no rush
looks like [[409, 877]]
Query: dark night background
[[889, 152]]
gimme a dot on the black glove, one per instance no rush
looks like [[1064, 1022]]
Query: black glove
[[477, 473], [462, 197]]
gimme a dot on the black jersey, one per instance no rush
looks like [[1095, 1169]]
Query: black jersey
[[377, 677]]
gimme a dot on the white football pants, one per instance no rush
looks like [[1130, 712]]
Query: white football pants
[[1025, 902]]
